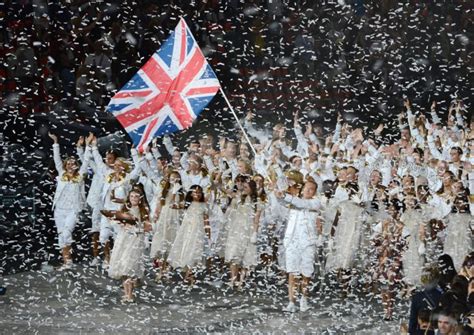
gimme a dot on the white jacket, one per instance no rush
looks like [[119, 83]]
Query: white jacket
[[301, 228], [69, 194]]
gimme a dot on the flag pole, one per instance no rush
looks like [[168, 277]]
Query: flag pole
[[238, 122]]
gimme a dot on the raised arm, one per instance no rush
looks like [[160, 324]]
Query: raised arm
[[302, 146], [80, 148], [85, 160], [459, 118], [261, 136], [309, 204], [337, 131], [57, 155], [434, 117], [99, 162], [168, 144]]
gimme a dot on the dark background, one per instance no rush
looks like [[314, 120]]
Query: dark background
[[274, 58]]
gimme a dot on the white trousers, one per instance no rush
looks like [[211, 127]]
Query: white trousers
[[108, 229], [65, 220], [300, 259], [96, 217]]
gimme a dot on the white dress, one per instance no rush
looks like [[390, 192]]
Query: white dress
[[458, 237], [265, 229], [188, 247], [216, 221], [412, 260], [238, 248], [433, 242], [229, 216], [346, 241], [166, 229], [127, 257]]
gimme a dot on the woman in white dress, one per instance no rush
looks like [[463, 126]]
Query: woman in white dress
[[345, 245], [188, 250], [127, 258], [412, 259], [266, 226], [241, 242], [233, 192], [117, 184], [458, 233], [433, 208], [389, 242], [69, 198], [217, 200], [168, 215]]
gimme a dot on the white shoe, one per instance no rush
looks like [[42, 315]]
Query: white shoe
[[158, 277], [291, 308], [304, 306], [94, 262], [126, 300], [65, 266]]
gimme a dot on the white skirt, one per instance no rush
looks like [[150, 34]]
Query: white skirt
[[188, 247], [238, 248], [127, 258], [346, 238], [165, 234], [458, 240], [412, 261]]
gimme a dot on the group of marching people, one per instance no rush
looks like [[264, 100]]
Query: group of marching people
[[371, 213]]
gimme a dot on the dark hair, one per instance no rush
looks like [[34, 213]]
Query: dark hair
[[424, 315], [468, 259], [263, 195], [189, 196], [166, 188], [459, 286], [253, 192], [446, 270], [240, 178], [423, 187], [375, 201], [458, 149], [328, 188], [419, 151], [398, 205], [434, 227], [461, 202], [112, 152], [142, 205]]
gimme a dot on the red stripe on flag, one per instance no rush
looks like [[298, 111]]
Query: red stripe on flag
[[202, 90], [183, 42], [131, 94]]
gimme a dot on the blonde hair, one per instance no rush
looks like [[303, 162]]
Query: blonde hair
[[124, 163]]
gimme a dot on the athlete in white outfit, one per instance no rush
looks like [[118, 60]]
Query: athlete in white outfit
[[68, 199], [300, 241], [94, 199]]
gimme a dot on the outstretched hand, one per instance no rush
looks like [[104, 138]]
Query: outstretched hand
[[80, 141], [379, 129], [53, 137], [89, 138]]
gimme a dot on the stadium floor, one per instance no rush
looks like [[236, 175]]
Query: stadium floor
[[84, 301]]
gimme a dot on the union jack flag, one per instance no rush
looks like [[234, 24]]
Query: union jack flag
[[168, 92]]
